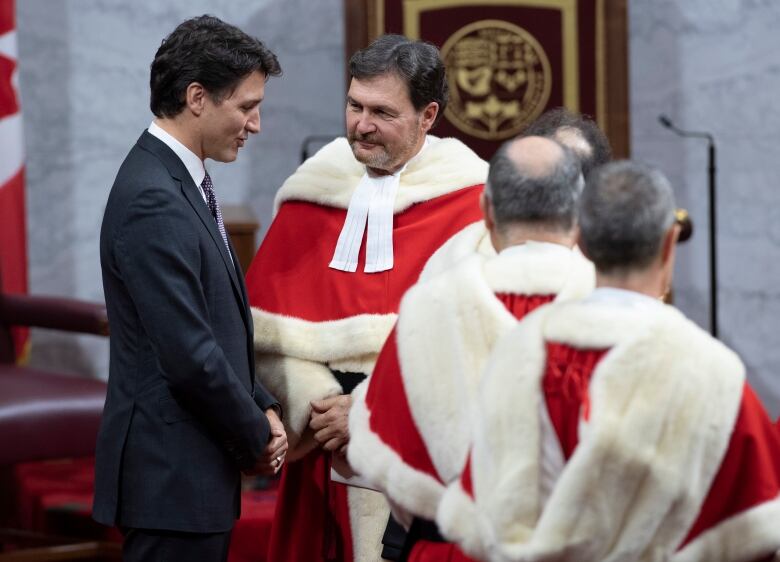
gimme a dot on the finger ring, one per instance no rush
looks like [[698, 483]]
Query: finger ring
[[278, 461]]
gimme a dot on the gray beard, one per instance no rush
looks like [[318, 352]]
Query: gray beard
[[384, 160], [379, 161]]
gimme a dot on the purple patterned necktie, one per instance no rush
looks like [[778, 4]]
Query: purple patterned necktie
[[211, 201]]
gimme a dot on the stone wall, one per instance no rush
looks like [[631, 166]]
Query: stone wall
[[714, 65]]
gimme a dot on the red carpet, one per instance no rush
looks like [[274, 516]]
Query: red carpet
[[56, 497]]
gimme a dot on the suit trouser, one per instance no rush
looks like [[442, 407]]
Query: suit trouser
[[153, 545]]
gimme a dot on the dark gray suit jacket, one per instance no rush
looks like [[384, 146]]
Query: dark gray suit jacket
[[183, 412]]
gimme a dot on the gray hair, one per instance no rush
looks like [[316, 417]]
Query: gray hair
[[417, 63], [554, 121], [549, 199], [624, 212]]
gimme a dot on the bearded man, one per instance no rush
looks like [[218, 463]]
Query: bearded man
[[354, 226]]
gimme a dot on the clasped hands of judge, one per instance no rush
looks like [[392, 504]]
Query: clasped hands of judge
[[330, 422], [273, 455]]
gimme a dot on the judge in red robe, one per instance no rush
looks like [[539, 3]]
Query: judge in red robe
[[409, 426], [354, 226], [613, 428]]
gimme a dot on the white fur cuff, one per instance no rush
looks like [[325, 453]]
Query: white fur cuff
[[323, 342], [410, 489], [750, 535], [295, 383]]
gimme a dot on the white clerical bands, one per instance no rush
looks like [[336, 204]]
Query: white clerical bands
[[372, 203]]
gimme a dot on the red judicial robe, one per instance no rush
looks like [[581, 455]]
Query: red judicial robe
[[668, 453], [309, 319], [409, 424]]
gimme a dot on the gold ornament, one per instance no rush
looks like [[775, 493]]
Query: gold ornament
[[499, 78]]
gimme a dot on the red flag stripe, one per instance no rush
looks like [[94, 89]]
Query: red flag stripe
[[9, 103], [12, 233], [13, 247], [6, 16], [13, 228]]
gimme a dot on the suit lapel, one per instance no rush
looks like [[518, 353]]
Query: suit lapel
[[179, 172]]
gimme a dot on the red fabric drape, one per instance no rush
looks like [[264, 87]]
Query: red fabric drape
[[13, 240]]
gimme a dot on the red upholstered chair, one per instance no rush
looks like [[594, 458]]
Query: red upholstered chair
[[45, 415]]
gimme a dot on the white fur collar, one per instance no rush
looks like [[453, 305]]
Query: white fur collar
[[472, 239], [331, 175], [448, 326], [663, 404]]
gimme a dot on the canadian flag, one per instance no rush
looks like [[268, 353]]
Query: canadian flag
[[13, 246]]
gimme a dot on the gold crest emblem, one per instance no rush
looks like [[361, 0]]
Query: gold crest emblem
[[499, 78]]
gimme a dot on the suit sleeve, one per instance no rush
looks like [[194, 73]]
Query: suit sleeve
[[159, 259], [265, 399]]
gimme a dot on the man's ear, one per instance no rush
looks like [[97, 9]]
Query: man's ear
[[670, 243], [667, 260], [487, 212], [575, 236], [581, 243], [428, 116], [195, 97], [489, 216]]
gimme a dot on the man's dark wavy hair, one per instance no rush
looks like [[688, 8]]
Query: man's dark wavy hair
[[417, 63], [208, 51]]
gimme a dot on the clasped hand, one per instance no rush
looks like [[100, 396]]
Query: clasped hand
[[274, 453], [330, 422]]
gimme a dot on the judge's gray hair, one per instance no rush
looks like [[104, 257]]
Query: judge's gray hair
[[519, 196], [624, 213]]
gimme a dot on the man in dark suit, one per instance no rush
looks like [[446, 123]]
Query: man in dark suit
[[183, 413]]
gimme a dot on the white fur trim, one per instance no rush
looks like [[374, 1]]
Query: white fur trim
[[412, 491], [540, 271], [331, 175], [295, 383], [478, 538], [294, 358], [368, 514], [446, 330], [472, 239], [459, 520], [442, 367], [325, 342], [663, 404], [751, 535]]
